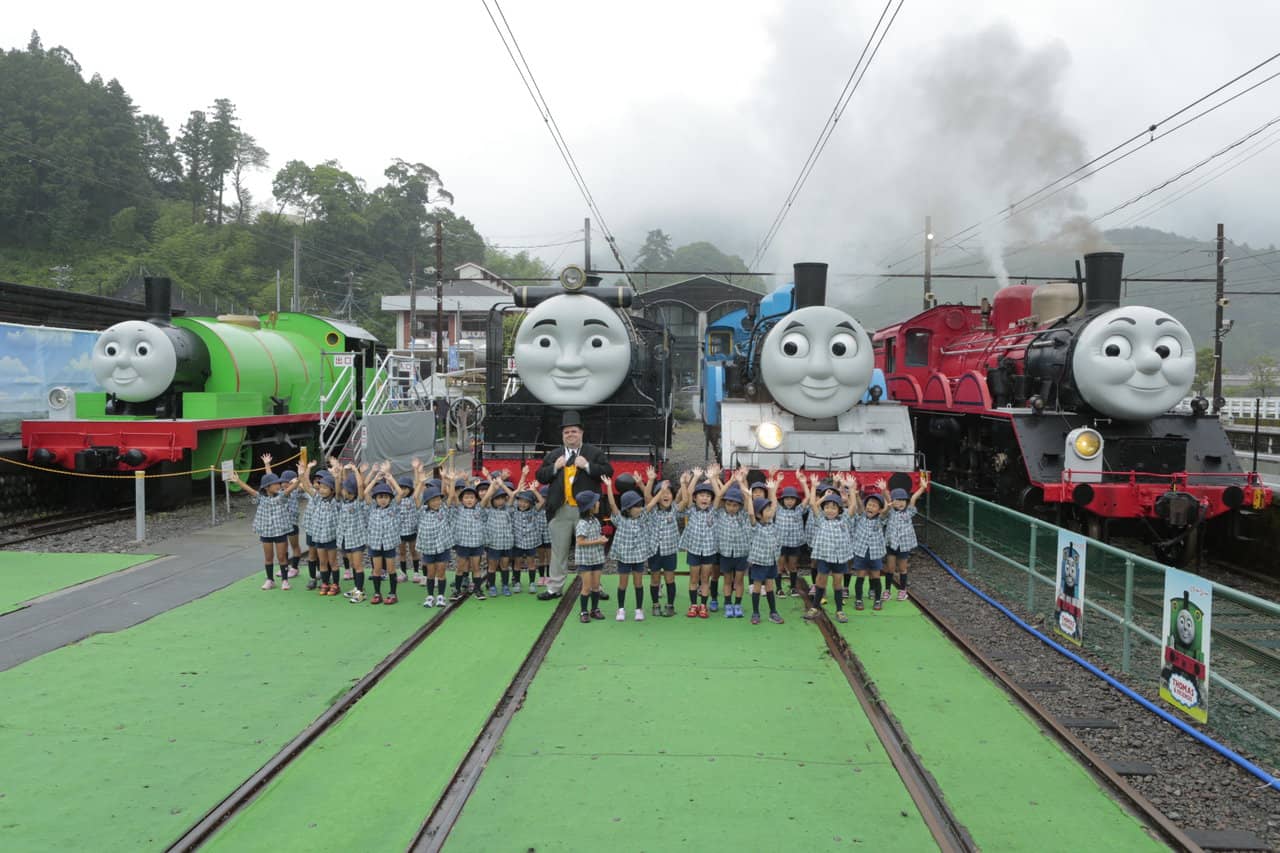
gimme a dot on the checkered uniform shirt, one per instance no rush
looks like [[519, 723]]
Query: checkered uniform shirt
[[272, 515], [699, 535], [468, 525], [321, 520], [499, 532], [832, 539], [544, 527], [294, 502], [408, 516], [765, 547], [384, 526], [868, 536], [790, 524], [811, 526], [588, 555], [899, 532], [353, 529], [630, 539], [664, 530], [733, 533], [435, 534], [524, 523]]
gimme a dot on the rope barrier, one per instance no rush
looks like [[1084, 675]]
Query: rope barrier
[[130, 475]]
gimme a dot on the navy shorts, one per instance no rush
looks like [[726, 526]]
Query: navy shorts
[[759, 573], [630, 568], [498, 553], [703, 559], [522, 552], [322, 546], [595, 567], [792, 550], [385, 553], [662, 563], [826, 568], [359, 549], [867, 564], [408, 537], [900, 553], [281, 538], [441, 557], [468, 550], [294, 531], [732, 564]]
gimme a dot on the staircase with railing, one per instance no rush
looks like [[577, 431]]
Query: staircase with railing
[[392, 386]]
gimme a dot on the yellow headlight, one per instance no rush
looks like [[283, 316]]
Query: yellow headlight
[[1088, 443], [769, 435]]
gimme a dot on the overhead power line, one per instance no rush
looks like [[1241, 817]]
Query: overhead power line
[[512, 45]]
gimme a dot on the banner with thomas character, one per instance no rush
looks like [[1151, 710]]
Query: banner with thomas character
[[1068, 602], [1184, 664]]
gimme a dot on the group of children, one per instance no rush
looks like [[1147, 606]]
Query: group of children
[[733, 531]]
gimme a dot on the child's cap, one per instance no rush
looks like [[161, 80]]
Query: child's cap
[[759, 504], [467, 487], [630, 499], [430, 493], [498, 495], [831, 498], [324, 478], [789, 492], [289, 476], [510, 485], [733, 493], [899, 495], [383, 489], [405, 481], [823, 485], [586, 500], [482, 485], [268, 480], [433, 483], [761, 486], [527, 495], [349, 484], [704, 486], [874, 496], [461, 483]]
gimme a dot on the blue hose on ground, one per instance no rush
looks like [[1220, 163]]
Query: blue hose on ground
[[1224, 751]]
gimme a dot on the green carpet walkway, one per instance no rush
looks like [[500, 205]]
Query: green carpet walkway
[[121, 741], [25, 575], [368, 782], [1008, 783], [689, 734]]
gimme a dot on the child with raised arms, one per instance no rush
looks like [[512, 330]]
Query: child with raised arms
[[467, 518], [353, 531], [698, 540], [499, 530], [630, 549], [733, 539], [867, 530], [589, 540], [271, 523], [321, 526], [664, 540], [526, 534], [762, 559], [832, 547], [381, 495], [435, 534], [789, 521], [408, 506]]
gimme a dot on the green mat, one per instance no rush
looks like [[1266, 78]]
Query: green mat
[[123, 740], [399, 746], [25, 575], [679, 734], [1007, 782]]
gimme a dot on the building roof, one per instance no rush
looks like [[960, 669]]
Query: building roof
[[701, 293], [465, 294]]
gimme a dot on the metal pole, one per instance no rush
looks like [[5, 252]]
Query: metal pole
[[1218, 305], [1128, 615], [1257, 416], [297, 292], [1031, 578], [971, 536], [139, 506], [213, 496], [226, 485], [928, 261], [586, 244], [439, 297], [413, 317], [277, 291]]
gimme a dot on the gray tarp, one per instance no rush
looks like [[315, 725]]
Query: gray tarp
[[400, 436]]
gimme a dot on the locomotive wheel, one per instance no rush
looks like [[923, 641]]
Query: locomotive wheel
[[1094, 528]]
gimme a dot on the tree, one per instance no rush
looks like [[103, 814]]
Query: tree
[[1204, 370], [160, 156], [193, 145], [521, 265], [656, 253], [292, 188], [1264, 371], [248, 156], [223, 137]]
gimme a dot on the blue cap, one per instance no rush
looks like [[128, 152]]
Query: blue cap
[[434, 481], [789, 492], [383, 489], [510, 485], [899, 495], [733, 493], [704, 486], [759, 504], [831, 499], [526, 495], [430, 493], [587, 499], [405, 481], [324, 478], [349, 484], [466, 487], [460, 483], [874, 496], [482, 485], [630, 499], [289, 476], [268, 480]]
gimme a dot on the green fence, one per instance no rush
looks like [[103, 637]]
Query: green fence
[[1012, 557]]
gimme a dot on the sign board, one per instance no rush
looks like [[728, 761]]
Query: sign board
[[511, 364], [228, 469], [344, 359], [453, 358], [1184, 655], [1068, 603]]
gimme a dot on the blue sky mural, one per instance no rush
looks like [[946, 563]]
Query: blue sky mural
[[34, 359]]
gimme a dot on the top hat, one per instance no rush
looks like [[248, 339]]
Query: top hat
[[571, 418]]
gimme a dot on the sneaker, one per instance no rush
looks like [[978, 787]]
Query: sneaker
[[692, 612], [440, 602], [457, 595], [842, 617], [795, 593], [728, 611], [668, 610], [584, 617], [737, 611], [811, 614], [293, 572], [702, 612], [313, 583], [284, 584], [878, 605], [755, 618], [332, 590], [886, 595], [824, 601], [506, 590], [622, 615], [356, 596], [479, 592], [401, 577], [270, 584], [430, 602], [493, 591], [515, 587], [775, 617], [350, 592], [714, 606], [346, 574], [639, 614], [857, 605], [902, 595], [596, 614], [533, 589], [377, 599], [602, 595], [391, 599]]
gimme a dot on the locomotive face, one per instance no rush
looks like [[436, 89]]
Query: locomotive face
[[817, 362], [572, 350], [134, 360], [1134, 362], [1186, 627]]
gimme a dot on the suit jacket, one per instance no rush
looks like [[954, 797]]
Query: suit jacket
[[589, 480]]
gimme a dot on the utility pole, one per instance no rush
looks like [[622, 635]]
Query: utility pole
[[277, 291], [297, 294], [413, 302], [1219, 303], [440, 362], [586, 243], [928, 262]]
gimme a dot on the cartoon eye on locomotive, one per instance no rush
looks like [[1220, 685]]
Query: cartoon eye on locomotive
[[1184, 652], [577, 347], [183, 394], [1055, 398], [792, 384]]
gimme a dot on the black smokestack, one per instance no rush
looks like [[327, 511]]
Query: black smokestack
[[158, 292], [1102, 272], [811, 285]]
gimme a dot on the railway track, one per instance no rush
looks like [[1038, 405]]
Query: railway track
[[63, 523]]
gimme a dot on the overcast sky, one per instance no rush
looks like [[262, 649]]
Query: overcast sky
[[695, 116]]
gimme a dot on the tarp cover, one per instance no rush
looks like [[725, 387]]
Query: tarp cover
[[400, 436]]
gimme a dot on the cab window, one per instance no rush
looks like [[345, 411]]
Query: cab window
[[917, 345]]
